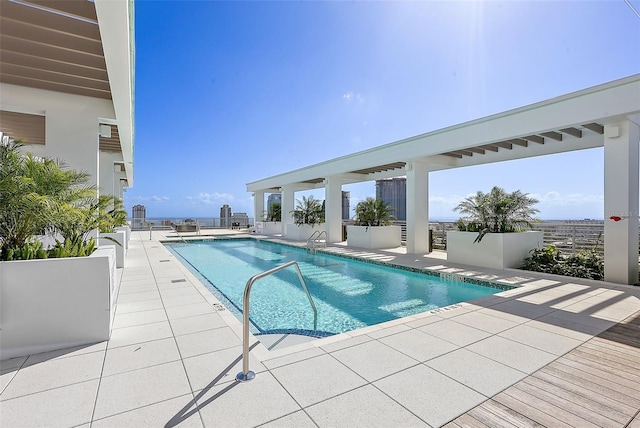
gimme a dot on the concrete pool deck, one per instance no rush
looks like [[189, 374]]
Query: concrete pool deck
[[174, 353]]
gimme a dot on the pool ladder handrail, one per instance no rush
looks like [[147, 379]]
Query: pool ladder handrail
[[180, 236], [246, 375], [314, 239]]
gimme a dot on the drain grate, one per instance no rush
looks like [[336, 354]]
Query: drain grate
[[167, 260], [178, 280]]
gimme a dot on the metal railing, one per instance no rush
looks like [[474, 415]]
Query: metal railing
[[315, 238], [246, 375]]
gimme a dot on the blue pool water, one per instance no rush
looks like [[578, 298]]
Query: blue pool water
[[349, 294]]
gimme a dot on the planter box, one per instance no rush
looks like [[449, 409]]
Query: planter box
[[121, 249], [302, 232], [127, 231], [56, 303], [374, 236], [496, 250], [269, 227]]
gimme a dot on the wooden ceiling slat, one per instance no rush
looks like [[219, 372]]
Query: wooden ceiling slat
[[29, 128], [43, 18], [595, 127], [574, 132], [504, 145], [463, 152], [453, 155], [477, 150], [29, 61], [38, 84], [37, 34], [491, 147], [51, 52], [553, 135], [84, 9], [519, 142], [380, 168], [57, 78], [534, 138]]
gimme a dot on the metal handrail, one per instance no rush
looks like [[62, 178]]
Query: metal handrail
[[180, 236], [247, 375], [313, 238]]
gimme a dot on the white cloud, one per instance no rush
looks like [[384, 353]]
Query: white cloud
[[151, 199], [554, 198], [353, 97], [212, 198]]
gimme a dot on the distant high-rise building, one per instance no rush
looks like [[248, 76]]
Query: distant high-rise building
[[393, 192], [273, 199], [346, 196], [138, 216], [225, 216], [239, 220]]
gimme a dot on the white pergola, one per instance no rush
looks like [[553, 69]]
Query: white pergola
[[605, 115]]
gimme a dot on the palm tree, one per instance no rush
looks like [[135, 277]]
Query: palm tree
[[275, 212], [497, 212], [373, 212], [308, 211]]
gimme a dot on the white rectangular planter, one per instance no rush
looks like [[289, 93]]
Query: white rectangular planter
[[121, 250], [52, 304], [496, 250], [303, 231], [269, 227], [127, 231], [374, 236]]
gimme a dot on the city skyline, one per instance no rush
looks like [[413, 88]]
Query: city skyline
[[244, 105]]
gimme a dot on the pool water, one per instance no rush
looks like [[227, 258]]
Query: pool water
[[348, 294]]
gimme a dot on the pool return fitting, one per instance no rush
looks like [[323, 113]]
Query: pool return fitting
[[246, 375]]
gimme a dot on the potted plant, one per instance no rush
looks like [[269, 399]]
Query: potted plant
[[110, 217], [495, 230], [50, 298], [373, 227], [308, 217]]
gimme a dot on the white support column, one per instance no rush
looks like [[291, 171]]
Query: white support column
[[288, 205], [258, 206], [333, 208], [417, 207], [621, 199]]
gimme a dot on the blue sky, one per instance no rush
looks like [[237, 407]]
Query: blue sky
[[232, 92]]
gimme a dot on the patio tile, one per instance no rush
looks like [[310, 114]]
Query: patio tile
[[139, 318], [54, 373], [517, 311], [181, 410], [563, 328], [316, 379], [207, 341], [418, 345], [190, 310], [140, 355], [179, 292], [218, 367], [293, 358], [594, 322], [432, 396], [138, 388], [196, 323], [362, 407], [65, 352], [516, 355], [5, 377], [221, 405], [456, 333], [482, 374], [346, 343], [65, 407], [137, 288], [422, 321], [138, 297], [541, 339], [387, 360], [485, 322], [140, 333], [298, 419], [388, 331], [188, 299], [146, 305]]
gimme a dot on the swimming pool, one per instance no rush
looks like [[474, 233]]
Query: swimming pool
[[349, 294]]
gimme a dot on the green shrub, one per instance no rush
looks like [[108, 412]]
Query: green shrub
[[28, 251], [583, 264], [373, 212]]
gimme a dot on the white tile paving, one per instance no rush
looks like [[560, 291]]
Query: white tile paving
[[172, 357]]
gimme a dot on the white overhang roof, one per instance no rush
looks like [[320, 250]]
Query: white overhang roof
[[570, 122]]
